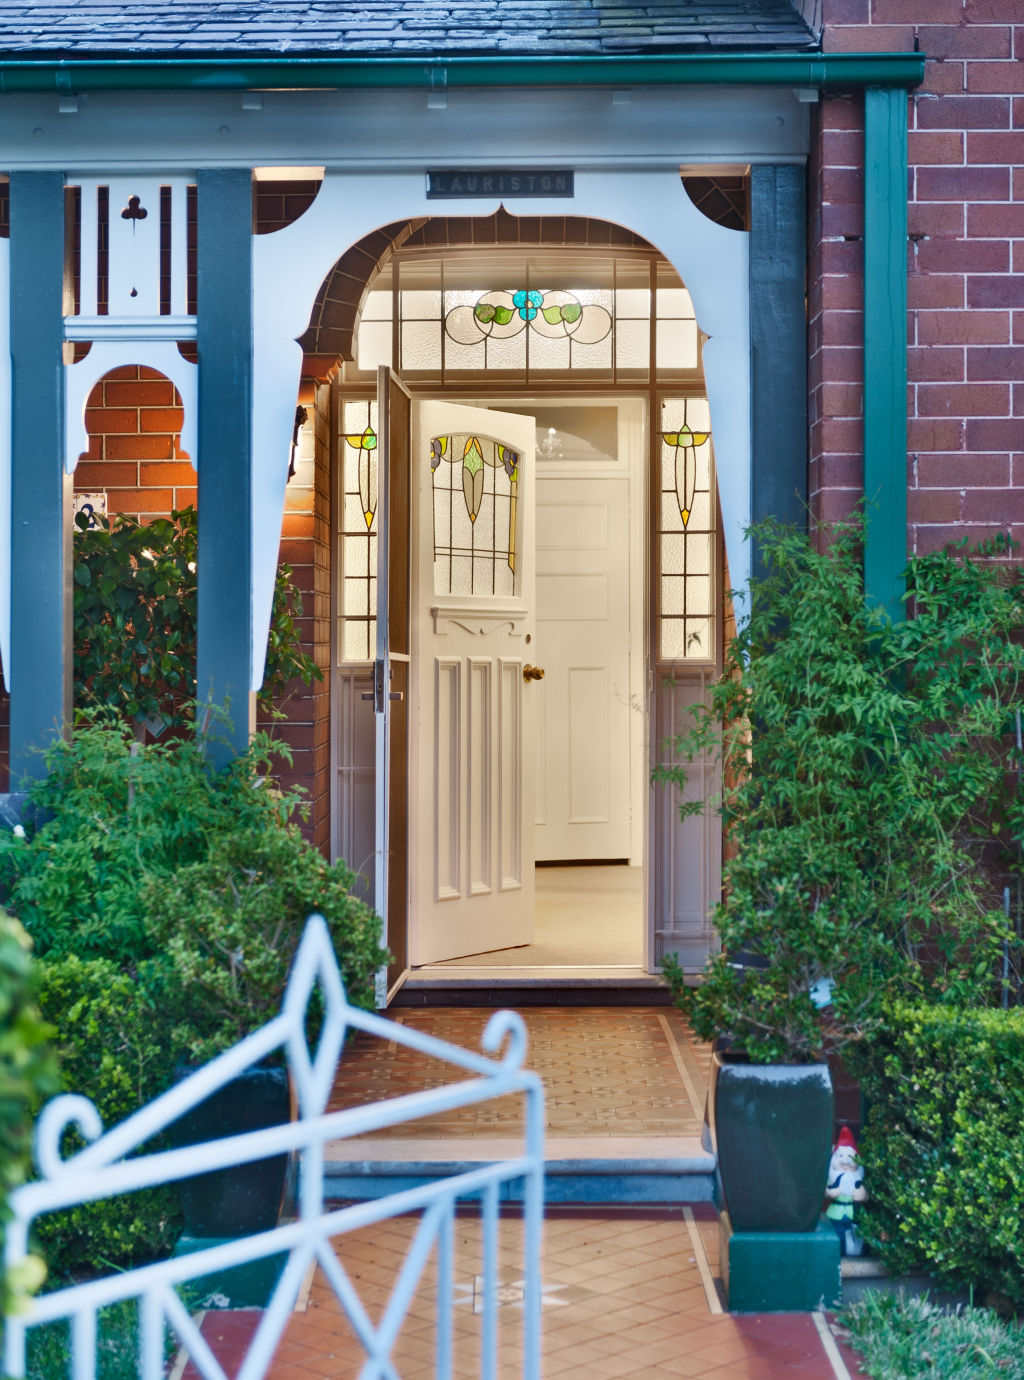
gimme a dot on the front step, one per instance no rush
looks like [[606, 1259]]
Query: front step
[[604, 1169], [443, 985]]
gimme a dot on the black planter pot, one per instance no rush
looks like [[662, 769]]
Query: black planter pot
[[772, 1131], [245, 1198]]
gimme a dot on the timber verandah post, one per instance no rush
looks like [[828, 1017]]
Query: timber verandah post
[[778, 345], [41, 563], [224, 332], [885, 345]]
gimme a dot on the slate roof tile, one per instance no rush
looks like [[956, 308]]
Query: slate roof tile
[[393, 27]]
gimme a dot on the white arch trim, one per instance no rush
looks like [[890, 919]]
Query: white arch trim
[[105, 355], [290, 264]]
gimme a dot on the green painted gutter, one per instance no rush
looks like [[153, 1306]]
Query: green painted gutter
[[231, 72]]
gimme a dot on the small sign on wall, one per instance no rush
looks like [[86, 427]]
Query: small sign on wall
[[503, 182], [92, 505]]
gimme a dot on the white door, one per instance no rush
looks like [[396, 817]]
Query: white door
[[476, 704], [583, 598]]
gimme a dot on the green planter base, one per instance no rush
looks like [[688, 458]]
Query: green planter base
[[778, 1271], [243, 1286]]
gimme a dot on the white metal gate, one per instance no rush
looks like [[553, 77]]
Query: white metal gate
[[106, 1168]]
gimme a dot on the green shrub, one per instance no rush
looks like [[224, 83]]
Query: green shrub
[[229, 928], [116, 813], [866, 776], [943, 1149], [113, 1046], [135, 621], [27, 1075]]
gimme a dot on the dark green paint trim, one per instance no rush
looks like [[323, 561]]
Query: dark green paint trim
[[41, 559], [778, 344], [885, 346], [229, 72], [224, 463]]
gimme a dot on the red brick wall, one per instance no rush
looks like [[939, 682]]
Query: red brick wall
[[134, 418], [965, 260]]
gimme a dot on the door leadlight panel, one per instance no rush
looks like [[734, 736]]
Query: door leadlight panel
[[358, 529], [475, 484]]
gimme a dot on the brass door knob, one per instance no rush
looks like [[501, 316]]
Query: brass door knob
[[533, 673]]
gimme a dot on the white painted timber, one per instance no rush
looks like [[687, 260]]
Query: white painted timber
[[471, 859], [105, 355], [109, 1166]]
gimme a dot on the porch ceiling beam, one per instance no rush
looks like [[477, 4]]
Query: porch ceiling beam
[[228, 72], [885, 346]]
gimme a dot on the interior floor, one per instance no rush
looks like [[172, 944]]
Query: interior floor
[[591, 915]]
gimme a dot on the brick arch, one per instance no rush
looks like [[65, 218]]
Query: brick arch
[[331, 332]]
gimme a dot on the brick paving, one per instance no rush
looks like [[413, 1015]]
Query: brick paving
[[623, 1297]]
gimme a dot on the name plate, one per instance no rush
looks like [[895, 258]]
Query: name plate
[[503, 182]]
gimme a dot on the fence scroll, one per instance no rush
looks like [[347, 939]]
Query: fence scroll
[[107, 1167]]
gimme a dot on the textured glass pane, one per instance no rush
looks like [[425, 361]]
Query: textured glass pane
[[354, 519], [698, 595], [673, 639], [357, 597], [464, 356], [548, 352], [421, 345], [700, 515], [420, 306], [698, 555], [676, 344], [670, 519], [461, 575], [355, 642], [632, 344], [597, 356], [698, 413], [673, 594], [674, 302], [507, 353], [698, 638], [672, 555], [377, 306], [632, 302], [374, 344]]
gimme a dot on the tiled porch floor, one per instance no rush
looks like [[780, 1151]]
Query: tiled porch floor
[[623, 1297], [618, 1080]]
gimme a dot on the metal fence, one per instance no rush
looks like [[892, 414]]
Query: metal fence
[[108, 1167]]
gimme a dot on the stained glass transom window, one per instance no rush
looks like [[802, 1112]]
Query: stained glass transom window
[[686, 545], [434, 318], [357, 534], [475, 481]]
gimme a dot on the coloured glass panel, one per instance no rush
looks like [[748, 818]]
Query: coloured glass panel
[[357, 535], [475, 485], [686, 532]]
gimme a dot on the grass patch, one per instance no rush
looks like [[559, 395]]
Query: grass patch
[[910, 1338], [48, 1346]]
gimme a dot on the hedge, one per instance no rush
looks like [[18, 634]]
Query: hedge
[[943, 1149]]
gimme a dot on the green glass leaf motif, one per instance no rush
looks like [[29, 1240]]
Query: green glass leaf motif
[[503, 315], [571, 311], [473, 456], [552, 315], [484, 311]]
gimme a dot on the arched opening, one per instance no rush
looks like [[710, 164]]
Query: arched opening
[[585, 329]]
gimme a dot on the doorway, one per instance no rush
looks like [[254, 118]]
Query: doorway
[[620, 621]]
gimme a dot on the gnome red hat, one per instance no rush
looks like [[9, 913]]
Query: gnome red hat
[[845, 1140]]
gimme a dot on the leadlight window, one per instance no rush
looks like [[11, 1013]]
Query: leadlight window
[[686, 532], [534, 319], [475, 482], [358, 529]]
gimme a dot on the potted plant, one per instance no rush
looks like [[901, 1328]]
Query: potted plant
[[858, 757]]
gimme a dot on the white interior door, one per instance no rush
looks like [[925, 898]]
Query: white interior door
[[475, 708], [583, 607]]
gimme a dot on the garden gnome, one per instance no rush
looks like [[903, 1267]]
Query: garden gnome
[[844, 1188]]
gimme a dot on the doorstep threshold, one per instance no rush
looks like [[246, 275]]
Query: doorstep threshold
[[582, 1154], [532, 975]]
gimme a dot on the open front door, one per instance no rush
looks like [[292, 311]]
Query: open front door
[[472, 755], [391, 671]]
